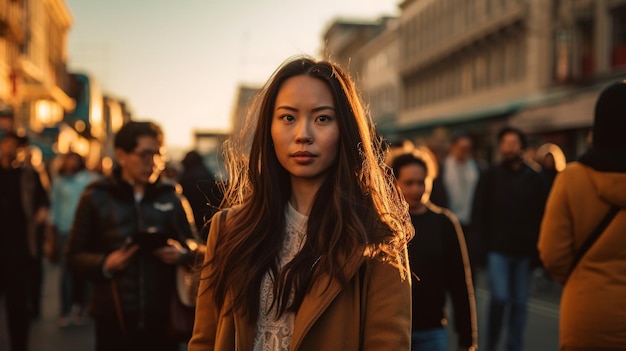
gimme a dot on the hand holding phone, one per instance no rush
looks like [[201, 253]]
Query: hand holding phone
[[150, 240], [118, 259], [171, 253]]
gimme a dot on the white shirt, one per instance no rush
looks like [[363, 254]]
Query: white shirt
[[274, 334], [460, 181]]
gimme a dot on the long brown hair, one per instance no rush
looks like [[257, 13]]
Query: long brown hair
[[358, 210]]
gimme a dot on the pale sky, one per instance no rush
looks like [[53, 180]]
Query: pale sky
[[179, 62]]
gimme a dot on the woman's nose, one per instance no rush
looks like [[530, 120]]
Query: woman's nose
[[304, 134]]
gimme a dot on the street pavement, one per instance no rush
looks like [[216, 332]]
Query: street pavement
[[45, 334], [542, 329], [541, 332]]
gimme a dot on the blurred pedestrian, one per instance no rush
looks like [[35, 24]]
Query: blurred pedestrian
[[32, 157], [439, 262], [586, 194], [508, 206], [128, 236], [201, 190], [312, 255], [169, 175], [72, 178], [455, 185], [23, 208]]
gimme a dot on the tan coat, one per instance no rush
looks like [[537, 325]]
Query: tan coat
[[593, 304], [328, 319]]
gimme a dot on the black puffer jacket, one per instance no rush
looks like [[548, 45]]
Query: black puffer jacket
[[106, 217]]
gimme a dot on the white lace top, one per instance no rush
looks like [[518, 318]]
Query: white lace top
[[274, 334]]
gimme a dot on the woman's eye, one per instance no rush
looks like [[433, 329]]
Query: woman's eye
[[323, 118], [287, 118]]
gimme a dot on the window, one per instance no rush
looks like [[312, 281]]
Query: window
[[618, 54], [479, 71]]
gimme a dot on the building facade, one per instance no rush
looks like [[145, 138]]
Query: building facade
[[42, 77], [12, 37], [479, 65], [379, 80], [243, 102], [470, 64], [370, 52], [59, 111], [343, 39]]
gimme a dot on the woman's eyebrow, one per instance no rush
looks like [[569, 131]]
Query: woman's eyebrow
[[316, 109]]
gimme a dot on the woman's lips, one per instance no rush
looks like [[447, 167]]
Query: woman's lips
[[303, 157]]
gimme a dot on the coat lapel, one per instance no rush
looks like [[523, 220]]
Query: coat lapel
[[322, 293], [244, 333]]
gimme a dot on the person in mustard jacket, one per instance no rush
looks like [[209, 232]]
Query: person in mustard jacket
[[593, 308], [312, 253]]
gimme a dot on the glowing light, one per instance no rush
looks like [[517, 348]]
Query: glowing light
[[81, 146], [46, 114], [107, 165], [43, 111], [36, 156], [80, 126]]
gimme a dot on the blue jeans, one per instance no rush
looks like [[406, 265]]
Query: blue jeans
[[510, 279], [74, 290], [435, 339]]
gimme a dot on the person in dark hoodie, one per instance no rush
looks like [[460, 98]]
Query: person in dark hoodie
[[507, 210], [593, 308], [201, 190], [128, 236]]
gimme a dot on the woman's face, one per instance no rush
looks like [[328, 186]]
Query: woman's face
[[304, 128], [412, 182]]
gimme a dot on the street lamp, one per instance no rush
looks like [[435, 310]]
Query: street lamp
[[47, 114]]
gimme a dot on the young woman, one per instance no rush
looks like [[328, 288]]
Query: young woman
[[312, 253], [438, 257]]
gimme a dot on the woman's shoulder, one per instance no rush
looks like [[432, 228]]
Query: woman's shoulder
[[574, 168], [224, 216], [228, 213], [442, 213], [571, 175], [449, 224], [102, 187]]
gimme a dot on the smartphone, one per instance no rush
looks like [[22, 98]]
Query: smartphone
[[150, 241]]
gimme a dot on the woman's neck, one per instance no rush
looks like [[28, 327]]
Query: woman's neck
[[302, 195], [419, 209]]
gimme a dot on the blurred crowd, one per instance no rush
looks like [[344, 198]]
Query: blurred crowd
[[469, 215], [38, 205]]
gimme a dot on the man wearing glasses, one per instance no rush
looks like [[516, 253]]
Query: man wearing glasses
[[128, 237]]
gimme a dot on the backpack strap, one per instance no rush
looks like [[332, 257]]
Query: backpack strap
[[608, 218]]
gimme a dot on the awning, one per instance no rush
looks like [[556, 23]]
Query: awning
[[471, 116]]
